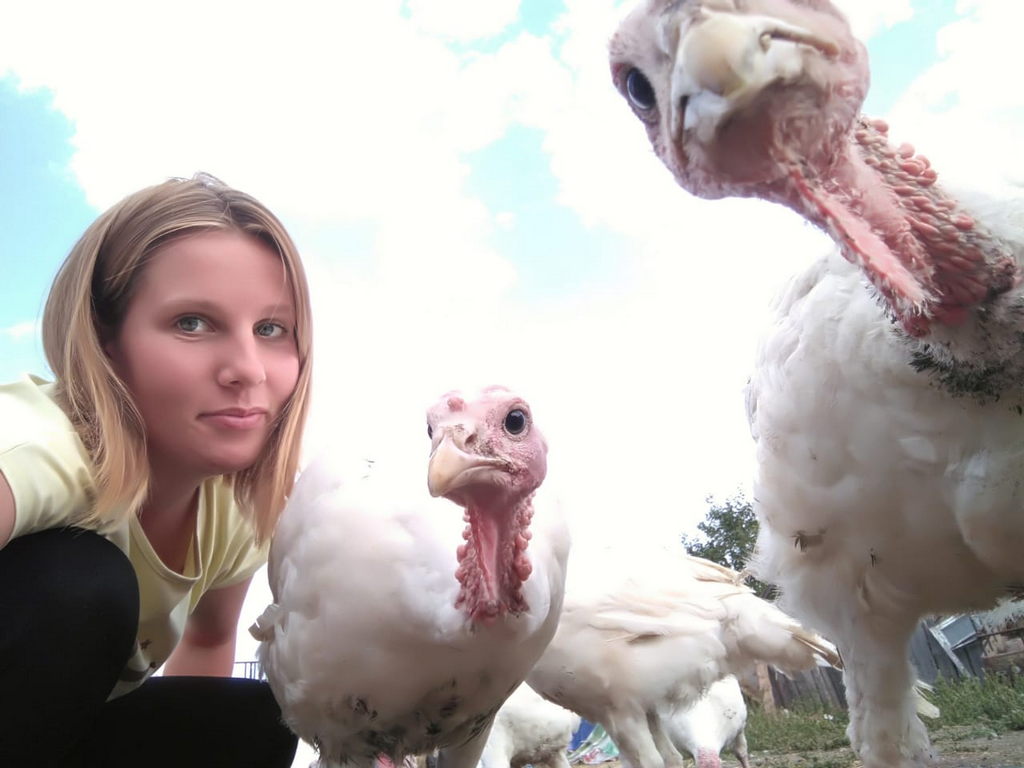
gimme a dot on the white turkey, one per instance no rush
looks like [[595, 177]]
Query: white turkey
[[529, 730], [716, 722], [393, 630], [887, 398], [634, 643]]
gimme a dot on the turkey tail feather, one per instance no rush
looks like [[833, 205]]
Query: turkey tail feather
[[824, 651]]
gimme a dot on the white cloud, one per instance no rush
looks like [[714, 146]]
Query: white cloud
[[505, 219], [966, 112], [464, 20], [335, 115], [21, 331], [868, 17]]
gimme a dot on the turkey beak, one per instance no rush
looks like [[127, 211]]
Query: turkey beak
[[733, 56], [450, 464]]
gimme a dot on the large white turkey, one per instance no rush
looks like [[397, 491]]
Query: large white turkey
[[634, 644], [529, 731], [395, 631], [887, 400]]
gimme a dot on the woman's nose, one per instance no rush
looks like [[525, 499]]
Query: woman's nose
[[242, 364]]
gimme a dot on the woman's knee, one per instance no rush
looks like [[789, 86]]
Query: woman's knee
[[71, 581], [69, 607], [222, 721]]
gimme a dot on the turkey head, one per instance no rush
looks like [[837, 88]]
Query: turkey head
[[488, 457]]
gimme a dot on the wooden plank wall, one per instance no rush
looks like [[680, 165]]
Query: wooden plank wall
[[823, 687]]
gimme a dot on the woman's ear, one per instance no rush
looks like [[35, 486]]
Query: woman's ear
[[109, 344]]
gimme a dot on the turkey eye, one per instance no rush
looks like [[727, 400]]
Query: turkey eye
[[515, 422], [639, 90], [430, 432]]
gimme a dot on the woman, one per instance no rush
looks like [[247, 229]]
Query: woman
[[138, 492]]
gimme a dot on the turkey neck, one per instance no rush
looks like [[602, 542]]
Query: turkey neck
[[493, 563], [930, 261]]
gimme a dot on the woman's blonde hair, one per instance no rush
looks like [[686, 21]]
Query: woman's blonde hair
[[87, 303]]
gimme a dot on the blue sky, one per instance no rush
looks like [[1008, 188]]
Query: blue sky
[[42, 213]]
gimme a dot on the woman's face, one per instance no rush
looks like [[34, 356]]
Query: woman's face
[[207, 348]]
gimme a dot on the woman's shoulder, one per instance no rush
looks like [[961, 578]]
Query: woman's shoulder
[[42, 458], [29, 405], [29, 383]]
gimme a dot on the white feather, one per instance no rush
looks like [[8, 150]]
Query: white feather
[[529, 730]]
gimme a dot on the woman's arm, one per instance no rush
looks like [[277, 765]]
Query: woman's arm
[[208, 645], [6, 511]]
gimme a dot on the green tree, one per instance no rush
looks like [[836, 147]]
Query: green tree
[[729, 532]]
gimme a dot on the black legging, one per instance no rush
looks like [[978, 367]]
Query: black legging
[[69, 606]]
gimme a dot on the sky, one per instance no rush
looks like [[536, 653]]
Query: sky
[[474, 204]]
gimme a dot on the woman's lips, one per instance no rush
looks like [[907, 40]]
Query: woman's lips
[[236, 418]]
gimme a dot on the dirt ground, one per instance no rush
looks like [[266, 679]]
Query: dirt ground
[[960, 747], [957, 747]]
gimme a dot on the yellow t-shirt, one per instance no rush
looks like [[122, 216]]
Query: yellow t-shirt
[[50, 474]]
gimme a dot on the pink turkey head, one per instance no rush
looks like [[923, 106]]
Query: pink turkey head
[[760, 98], [730, 92], [485, 448], [488, 457]]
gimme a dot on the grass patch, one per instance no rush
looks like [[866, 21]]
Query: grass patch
[[970, 709], [803, 728], [996, 703]]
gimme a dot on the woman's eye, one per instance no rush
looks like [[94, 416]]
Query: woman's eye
[[271, 330], [190, 324]]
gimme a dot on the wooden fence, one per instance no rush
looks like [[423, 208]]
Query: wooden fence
[[931, 652], [818, 687]]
